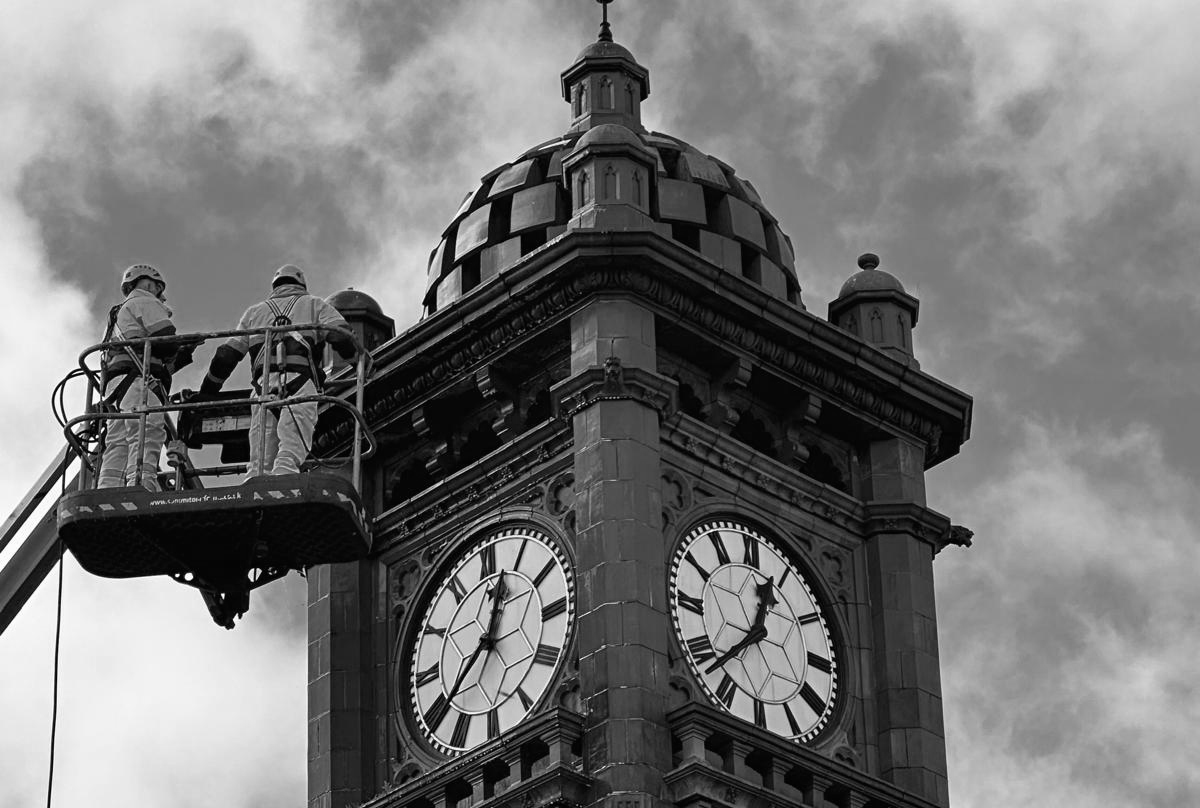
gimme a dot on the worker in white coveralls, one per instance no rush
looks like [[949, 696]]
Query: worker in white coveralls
[[143, 313], [290, 428]]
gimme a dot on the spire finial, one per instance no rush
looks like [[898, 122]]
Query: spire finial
[[605, 30]]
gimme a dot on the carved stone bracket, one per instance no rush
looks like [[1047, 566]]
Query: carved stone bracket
[[473, 488], [907, 517], [749, 467], [614, 383], [502, 395], [721, 411]]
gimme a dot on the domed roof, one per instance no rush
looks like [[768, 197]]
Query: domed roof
[[870, 278], [354, 300], [609, 133], [699, 200], [605, 50]]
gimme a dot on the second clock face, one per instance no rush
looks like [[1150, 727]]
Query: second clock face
[[752, 631], [491, 639]]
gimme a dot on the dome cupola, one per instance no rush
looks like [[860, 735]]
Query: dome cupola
[[607, 173], [364, 316], [873, 305], [610, 178], [605, 84]]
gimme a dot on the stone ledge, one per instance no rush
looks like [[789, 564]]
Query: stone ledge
[[613, 383]]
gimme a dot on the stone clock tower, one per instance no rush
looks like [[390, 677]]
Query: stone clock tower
[[647, 531]]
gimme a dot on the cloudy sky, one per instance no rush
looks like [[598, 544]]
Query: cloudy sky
[[1029, 170]]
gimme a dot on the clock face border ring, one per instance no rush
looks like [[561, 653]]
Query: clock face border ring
[[417, 681], [785, 671]]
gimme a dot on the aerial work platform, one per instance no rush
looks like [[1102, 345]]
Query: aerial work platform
[[228, 540], [290, 521]]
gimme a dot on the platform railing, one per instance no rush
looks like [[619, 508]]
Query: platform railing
[[85, 435]]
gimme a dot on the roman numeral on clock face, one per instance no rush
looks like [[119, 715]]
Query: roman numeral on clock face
[[805, 619], [461, 727], [701, 648], [456, 588], [726, 690], [487, 561], [436, 712], [493, 723], [546, 570], [552, 610], [749, 551], [435, 631], [760, 714], [791, 719], [719, 545], [812, 699], [526, 702], [820, 662], [546, 654], [696, 566], [426, 676], [690, 603]]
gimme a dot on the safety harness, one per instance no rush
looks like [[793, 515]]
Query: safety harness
[[295, 344], [134, 369]]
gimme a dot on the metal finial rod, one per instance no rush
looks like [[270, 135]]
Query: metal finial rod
[[605, 30]]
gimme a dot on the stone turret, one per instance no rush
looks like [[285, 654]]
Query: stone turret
[[873, 305]]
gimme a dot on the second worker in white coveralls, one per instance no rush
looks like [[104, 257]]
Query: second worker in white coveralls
[[289, 429], [143, 313]]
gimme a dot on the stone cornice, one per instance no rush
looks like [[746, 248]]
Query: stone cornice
[[547, 284], [715, 448], [613, 383], [476, 487], [907, 517]]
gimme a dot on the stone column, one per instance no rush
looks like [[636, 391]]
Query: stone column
[[907, 681], [339, 690], [623, 621]]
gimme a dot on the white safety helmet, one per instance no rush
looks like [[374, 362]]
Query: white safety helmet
[[138, 271], [289, 273]]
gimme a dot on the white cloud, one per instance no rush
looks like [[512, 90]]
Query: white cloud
[[1068, 630]]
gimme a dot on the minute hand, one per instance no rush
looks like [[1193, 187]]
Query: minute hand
[[755, 634], [758, 631]]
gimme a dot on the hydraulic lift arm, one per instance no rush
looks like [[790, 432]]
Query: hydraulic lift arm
[[33, 559]]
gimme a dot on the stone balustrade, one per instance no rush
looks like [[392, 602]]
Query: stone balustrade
[[719, 762], [537, 764]]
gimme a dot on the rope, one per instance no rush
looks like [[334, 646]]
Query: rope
[[57, 645]]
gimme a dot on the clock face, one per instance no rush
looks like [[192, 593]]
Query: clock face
[[751, 630], [491, 639]]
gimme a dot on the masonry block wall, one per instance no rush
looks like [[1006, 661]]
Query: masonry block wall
[[623, 621]]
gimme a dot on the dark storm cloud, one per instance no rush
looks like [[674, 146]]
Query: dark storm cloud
[[1026, 171]]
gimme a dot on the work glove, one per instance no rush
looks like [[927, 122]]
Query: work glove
[[183, 357], [210, 386]]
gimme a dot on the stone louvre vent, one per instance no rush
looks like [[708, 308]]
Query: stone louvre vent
[[695, 200]]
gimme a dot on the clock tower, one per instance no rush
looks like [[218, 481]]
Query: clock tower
[[647, 531]]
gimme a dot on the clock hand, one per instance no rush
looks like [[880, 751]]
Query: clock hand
[[758, 629], [487, 640], [754, 635], [462, 674], [499, 591]]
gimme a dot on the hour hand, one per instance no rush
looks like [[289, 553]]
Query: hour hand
[[754, 635], [498, 594]]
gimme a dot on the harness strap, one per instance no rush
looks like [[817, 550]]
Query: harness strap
[[283, 316]]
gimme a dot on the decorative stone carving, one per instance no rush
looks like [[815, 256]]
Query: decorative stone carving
[[403, 580], [721, 412], [613, 383]]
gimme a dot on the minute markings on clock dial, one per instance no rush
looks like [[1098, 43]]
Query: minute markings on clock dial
[[491, 638], [752, 630]]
